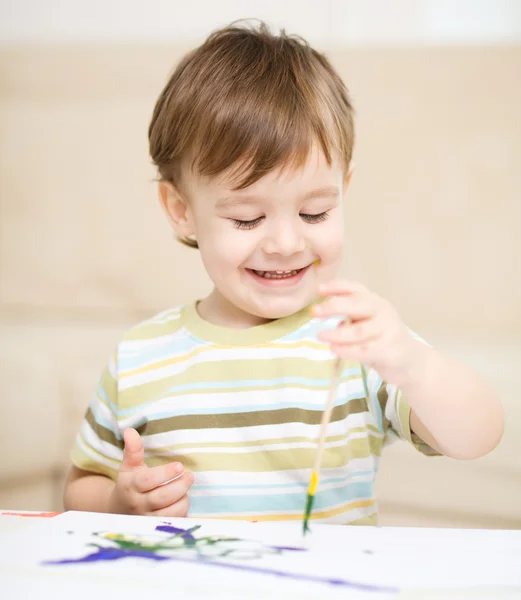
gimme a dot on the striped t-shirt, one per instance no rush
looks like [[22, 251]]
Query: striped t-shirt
[[241, 409]]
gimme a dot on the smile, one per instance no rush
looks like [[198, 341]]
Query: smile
[[278, 278], [276, 274]]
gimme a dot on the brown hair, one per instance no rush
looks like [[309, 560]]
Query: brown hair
[[249, 101]]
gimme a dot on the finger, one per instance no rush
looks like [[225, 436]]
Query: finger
[[149, 479], [168, 494], [363, 353], [354, 333], [340, 287], [177, 509], [358, 306], [133, 452]]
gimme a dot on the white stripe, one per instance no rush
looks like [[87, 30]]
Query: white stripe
[[96, 458], [105, 448], [102, 412], [391, 412], [135, 347], [282, 477], [280, 397], [249, 434], [349, 516], [286, 445], [218, 355], [171, 314]]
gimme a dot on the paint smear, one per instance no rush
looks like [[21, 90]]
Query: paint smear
[[40, 515], [206, 550]]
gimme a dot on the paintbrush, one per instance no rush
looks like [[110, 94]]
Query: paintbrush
[[326, 417]]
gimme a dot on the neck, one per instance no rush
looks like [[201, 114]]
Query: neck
[[217, 310]]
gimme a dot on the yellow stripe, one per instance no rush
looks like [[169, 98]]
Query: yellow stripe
[[313, 483], [204, 349], [292, 517]]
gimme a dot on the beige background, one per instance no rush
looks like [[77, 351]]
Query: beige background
[[434, 224]]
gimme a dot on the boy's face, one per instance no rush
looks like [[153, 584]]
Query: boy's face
[[268, 246]]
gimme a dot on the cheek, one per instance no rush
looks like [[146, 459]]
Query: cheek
[[224, 247], [329, 241]]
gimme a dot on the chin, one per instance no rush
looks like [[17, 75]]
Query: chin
[[283, 309]]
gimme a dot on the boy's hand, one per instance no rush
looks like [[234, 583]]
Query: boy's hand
[[141, 490], [373, 333]]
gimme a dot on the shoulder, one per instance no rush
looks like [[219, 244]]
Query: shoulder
[[162, 324], [151, 339]]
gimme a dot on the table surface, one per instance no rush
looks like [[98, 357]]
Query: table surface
[[14, 521]]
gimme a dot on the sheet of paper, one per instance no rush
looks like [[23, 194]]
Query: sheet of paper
[[86, 554]]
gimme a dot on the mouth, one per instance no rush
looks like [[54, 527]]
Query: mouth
[[276, 274], [278, 278]]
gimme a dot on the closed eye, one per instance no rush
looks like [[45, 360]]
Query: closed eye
[[318, 218], [315, 218], [247, 224]]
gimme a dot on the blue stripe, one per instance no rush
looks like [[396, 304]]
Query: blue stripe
[[246, 408], [107, 400], [301, 485], [175, 346], [279, 502], [219, 409], [311, 329]]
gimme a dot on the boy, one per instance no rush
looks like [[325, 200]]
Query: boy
[[213, 409]]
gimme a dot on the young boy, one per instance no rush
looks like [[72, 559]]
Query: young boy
[[213, 409]]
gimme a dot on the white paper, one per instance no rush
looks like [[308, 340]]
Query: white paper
[[332, 561]]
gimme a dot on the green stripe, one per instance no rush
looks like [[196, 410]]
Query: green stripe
[[82, 461], [106, 435], [383, 398], [264, 441], [235, 370], [272, 460], [251, 419], [148, 330]]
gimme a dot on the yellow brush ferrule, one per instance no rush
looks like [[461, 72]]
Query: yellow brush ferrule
[[313, 483]]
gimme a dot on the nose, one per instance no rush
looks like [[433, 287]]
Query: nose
[[285, 239]]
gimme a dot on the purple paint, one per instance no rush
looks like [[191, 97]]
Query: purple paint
[[108, 554], [363, 587], [118, 553], [288, 548], [186, 534]]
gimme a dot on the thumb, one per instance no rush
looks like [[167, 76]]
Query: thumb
[[133, 452]]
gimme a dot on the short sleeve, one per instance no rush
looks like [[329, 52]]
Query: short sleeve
[[396, 416], [98, 446], [392, 411]]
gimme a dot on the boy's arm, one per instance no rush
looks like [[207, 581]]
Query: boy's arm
[[87, 491], [453, 409]]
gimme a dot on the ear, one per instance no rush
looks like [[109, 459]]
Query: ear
[[176, 209]]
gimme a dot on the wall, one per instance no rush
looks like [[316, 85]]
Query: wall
[[433, 223]]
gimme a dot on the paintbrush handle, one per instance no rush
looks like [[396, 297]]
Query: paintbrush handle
[[326, 415]]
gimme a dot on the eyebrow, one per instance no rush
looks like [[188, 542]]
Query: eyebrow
[[323, 192]]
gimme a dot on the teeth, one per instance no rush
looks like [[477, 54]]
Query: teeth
[[276, 274]]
